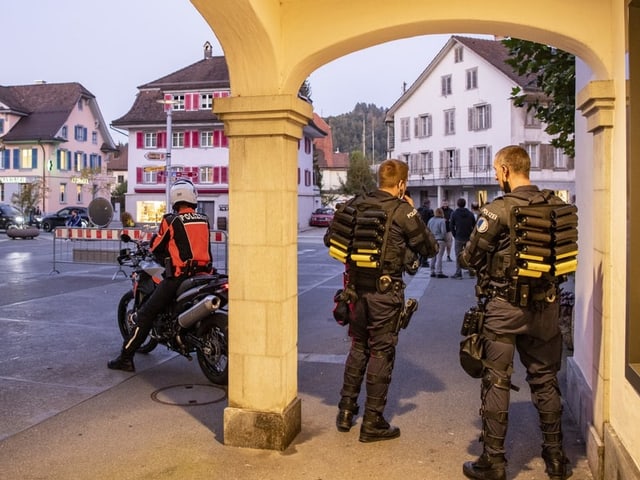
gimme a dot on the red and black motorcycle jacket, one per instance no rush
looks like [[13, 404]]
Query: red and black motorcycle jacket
[[183, 239]]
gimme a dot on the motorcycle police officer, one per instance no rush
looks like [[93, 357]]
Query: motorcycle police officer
[[182, 242], [520, 313], [386, 226]]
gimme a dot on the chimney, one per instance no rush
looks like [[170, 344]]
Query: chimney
[[208, 50]]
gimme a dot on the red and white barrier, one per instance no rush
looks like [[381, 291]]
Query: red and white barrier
[[114, 234]]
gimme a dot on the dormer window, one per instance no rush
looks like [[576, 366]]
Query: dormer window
[[458, 53], [178, 102], [63, 132]]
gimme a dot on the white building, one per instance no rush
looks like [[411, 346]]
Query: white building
[[199, 148], [448, 125]]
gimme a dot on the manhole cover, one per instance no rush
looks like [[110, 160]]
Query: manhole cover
[[186, 395]]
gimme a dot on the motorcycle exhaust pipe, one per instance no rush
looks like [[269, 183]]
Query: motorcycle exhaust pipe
[[199, 311]]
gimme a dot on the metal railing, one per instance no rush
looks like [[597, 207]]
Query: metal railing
[[101, 246]]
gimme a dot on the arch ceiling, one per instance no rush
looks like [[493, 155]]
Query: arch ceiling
[[272, 46]]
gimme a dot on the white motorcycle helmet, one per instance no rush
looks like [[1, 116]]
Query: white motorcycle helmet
[[183, 190]]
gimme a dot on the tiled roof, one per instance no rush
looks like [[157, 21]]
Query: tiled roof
[[120, 160], [207, 74], [496, 54], [46, 106]]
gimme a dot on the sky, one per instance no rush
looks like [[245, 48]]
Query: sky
[[113, 47]]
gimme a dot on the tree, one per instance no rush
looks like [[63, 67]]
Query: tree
[[29, 196], [555, 74], [93, 177], [359, 176]]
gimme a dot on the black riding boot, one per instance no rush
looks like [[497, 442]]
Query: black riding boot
[[487, 467], [124, 361], [354, 369], [375, 428], [556, 462]]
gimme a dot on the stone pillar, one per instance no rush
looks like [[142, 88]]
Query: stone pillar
[[264, 410], [596, 102]]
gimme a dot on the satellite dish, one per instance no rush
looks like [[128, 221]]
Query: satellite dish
[[100, 212]]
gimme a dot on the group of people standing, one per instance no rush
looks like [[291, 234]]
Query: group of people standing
[[482, 239]]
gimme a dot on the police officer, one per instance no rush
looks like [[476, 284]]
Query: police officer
[[182, 242], [379, 301], [520, 314]]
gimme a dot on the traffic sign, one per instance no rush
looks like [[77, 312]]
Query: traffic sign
[[154, 156], [153, 169]]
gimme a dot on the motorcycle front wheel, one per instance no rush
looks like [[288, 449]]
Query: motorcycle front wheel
[[214, 357], [125, 308]]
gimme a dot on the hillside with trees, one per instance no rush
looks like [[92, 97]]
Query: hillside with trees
[[361, 130]]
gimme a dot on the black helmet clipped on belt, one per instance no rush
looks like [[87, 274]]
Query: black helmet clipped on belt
[[471, 354]]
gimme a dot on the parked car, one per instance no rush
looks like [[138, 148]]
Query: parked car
[[10, 217], [321, 217], [58, 219]]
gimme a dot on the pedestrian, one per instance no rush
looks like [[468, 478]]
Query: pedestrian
[[74, 220], [520, 313], [438, 227], [462, 222], [475, 209], [182, 245], [392, 226], [426, 213], [447, 211]]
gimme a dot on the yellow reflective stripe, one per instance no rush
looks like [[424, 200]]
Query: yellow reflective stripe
[[523, 272], [361, 258], [364, 250], [566, 267], [568, 254], [338, 244], [538, 267], [526, 256], [367, 264], [338, 257]]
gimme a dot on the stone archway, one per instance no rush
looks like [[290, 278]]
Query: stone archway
[[270, 50]]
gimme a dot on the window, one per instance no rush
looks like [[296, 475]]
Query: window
[[64, 159], [559, 159], [530, 120], [78, 158], [423, 126], [80, 105], [404, 128], [458, 54], [94, 138], [220, 175], [446, 85], [80, 133], [206, 175], [149, 177], [426, 162], [414, 167], [178, 102], [150, 140], [480, 159], [479, 117], [206, 101], [62, 196], [532, 149], [63, 132], [78, 193], [472, 78], [450, 163], [450, 122], [1, 125], [206, 139], [177, 139]]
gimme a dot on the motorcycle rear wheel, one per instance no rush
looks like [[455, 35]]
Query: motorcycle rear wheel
[[126, 306], [214, 360]]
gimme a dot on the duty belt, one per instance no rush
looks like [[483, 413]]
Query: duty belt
[[382, 284], [524, 294]]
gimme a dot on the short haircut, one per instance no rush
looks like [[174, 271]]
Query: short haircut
[[438, 212], [391, 172], [462, 203], [514, 157]]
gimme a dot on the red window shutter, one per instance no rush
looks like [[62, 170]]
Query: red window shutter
[[216, 174], [138, 174], [187, 139], [139, 140], [195, 139], [168, 106], [187, 102], [224, 175], [225, 140], [195, 174], [162, 139], [217, 134]]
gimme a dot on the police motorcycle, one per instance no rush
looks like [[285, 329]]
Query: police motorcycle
[[197, 322]]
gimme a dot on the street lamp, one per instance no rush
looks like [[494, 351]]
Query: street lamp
[[168, 108]]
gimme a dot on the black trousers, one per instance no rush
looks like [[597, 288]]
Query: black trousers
[[535, 334], [158, 301], [373, 347]]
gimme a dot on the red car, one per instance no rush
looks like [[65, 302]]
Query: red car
[[321, 217]]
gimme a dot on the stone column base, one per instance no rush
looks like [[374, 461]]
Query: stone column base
[[263, 430]]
